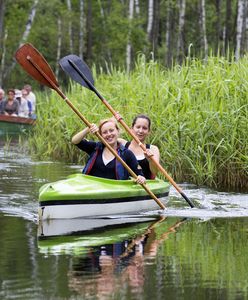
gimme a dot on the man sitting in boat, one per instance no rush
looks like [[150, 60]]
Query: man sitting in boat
[[11, 105], [2, 99], [30, 96], [102, 162], [23, 104]]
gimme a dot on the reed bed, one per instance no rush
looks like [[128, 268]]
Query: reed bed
[[199, 117]]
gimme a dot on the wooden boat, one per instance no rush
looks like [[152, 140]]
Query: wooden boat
[[87, 196], [15, 124]]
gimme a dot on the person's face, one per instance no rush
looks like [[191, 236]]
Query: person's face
[[141, 129], [11, 95], [1, 96], [24, 93], [110, 133]]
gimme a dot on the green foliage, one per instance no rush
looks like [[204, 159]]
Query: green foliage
[[198, 110], [106, 31]]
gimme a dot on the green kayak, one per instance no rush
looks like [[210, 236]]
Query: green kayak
[[87, 196]]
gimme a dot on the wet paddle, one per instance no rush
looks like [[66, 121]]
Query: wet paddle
[[77, 69], [37, 67]]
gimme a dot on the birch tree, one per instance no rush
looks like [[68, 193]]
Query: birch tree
[[244, 28], [168, 35], [68, 2], [2, 10], [3, 57], [180, 43], [150, 20], [129, 45], [89, 30], [2, 39], [29, 22], [137, 7], [228, 25], [25, 35], [81, 29], [58, 45], [204, 43], [239, 27]]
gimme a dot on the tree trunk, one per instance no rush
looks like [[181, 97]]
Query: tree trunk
[[137, 7], [3, 58], [228, 25], [168, 36], [246, 29], [240, 18], [155, 31], [150, 20], [2, 10], [180, 42], [70, 26], [58, 46], [29, 22], [25, 35], [81, 29], [129, 45], [204, 43], [218, 25], [89, 31], [243, 37]]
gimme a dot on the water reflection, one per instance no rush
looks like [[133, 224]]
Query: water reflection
[[107, 253], [141, 257]]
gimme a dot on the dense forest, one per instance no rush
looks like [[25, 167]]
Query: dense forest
[[114, 32]]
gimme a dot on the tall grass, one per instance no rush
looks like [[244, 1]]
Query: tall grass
[[199, 117]]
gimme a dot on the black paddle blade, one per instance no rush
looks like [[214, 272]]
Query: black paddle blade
[[35, 65], [77, 69]]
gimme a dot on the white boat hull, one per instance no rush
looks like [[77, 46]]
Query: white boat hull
[[70, 211]]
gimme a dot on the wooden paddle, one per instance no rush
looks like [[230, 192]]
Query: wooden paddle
[[77, 69], [37, 67]]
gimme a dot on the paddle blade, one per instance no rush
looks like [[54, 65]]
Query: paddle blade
[[33, 62], [77, 69]]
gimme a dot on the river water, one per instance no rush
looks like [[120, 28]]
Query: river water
[[183, 253]]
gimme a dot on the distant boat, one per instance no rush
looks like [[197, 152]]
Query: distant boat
[[15, 125]]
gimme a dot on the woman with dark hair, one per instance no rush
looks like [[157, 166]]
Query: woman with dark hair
[[141, 127], [102, 162], [11, 105]]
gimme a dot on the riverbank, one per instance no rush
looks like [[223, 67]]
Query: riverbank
[[199, 117]]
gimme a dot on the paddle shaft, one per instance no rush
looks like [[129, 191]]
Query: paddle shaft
[[105, 102], [87, 123]]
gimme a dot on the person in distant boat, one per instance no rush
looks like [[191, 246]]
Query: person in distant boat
[[23, 104], [32, 98], [102, 163], [11, 105], [2, 99], [25, 96], [141, 127]]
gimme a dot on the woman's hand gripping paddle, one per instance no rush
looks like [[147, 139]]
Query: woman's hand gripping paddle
[[37, 67], [77, 69]]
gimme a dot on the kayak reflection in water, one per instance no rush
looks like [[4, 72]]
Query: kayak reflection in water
[[102, 162], [107, 267]]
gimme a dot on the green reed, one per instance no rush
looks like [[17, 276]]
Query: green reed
[[199, 117]]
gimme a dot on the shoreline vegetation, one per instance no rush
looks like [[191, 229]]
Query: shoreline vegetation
[[199, 115]]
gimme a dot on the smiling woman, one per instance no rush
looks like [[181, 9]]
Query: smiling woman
[[101, 162], [141, 127]]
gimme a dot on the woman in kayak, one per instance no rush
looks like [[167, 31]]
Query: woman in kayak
[[141, 127], [102, 162]]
